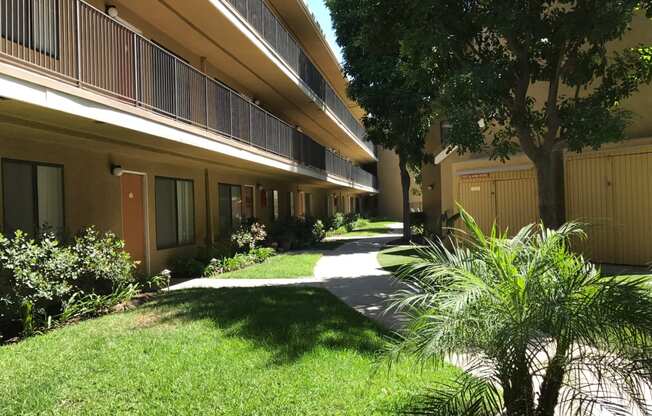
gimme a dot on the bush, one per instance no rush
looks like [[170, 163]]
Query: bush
[[36, 277], [417, 218], [218, 250], [184, 267], [102, 264], [350, 221], [336, 221], [248, 235], [41, 278], [238, 261], [295, 233], [318, 231]]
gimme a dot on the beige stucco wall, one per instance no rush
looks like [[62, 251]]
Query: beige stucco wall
[[390, 202], [92, 196]]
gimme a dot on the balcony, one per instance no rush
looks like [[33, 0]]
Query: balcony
[[71, 41], [259, 16]]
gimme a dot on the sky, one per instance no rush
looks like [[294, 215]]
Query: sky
[[319, 9]]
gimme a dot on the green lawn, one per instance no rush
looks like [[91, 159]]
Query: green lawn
[[372, 229], [285, 265], [392, 258], [246, 351]]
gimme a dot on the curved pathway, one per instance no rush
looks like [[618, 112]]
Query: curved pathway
[[351, 272]]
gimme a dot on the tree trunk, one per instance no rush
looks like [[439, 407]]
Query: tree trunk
[[550, 176], [405, 185], [552, 381], [518, 391]]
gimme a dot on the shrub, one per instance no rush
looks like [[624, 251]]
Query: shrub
[[102, 264], [42, 277], [417, 218], [350, 221], [184, 267], [218, 250], [248, 235], [93, 304], [318, 231], [156, 282], [36, 276], [238, 261], [336, 221], [262, 253], [296, 233], [529, 311]]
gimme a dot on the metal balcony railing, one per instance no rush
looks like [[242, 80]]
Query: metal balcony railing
[[259, 15], [74, 42]]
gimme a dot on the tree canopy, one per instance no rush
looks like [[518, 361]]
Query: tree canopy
[[398, 105], [535, 76]]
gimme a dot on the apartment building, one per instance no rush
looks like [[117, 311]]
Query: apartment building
[[610, 189], [169, 121]]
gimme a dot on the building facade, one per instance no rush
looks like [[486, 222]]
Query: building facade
[[610, 189], [170, 122]]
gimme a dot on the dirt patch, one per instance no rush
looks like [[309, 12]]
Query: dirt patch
[[134, 302]]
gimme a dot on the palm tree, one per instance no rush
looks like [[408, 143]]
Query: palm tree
[[541, 330]]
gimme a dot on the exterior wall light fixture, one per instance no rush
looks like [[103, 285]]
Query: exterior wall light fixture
[[116, 170]]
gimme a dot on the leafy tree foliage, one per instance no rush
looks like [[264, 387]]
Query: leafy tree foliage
[[536, 76], [398, 108]]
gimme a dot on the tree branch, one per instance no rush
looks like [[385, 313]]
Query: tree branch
[[552, 111]]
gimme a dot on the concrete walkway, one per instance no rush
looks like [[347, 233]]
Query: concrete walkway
[[351, 272]]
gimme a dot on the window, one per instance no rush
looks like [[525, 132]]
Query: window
[[33, 197], [248, 201], [307, 205], [445, 131], [275, 204], [230, 207], [175, 212], [31, 23], [291, 204]]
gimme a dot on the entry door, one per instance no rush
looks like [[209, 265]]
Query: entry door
[[133, 216]]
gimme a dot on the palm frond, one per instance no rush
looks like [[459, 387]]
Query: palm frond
[[466, 395]]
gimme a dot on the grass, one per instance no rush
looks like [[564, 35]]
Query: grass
[[245, 351], [368, 228], [392, 258], [287, 265]]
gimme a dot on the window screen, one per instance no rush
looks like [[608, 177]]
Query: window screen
[[175, 212], [291, 204], [33, 197]]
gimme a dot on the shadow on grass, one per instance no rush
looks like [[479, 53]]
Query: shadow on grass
[[287, 321], [378, 230]]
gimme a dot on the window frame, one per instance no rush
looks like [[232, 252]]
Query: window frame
[[30, 42], [230, 216], [34, 167], [176, 213]]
